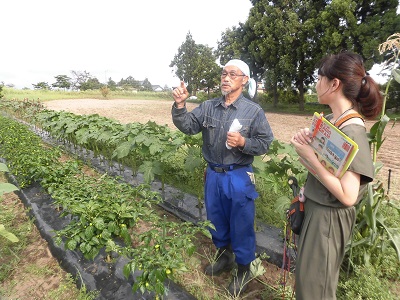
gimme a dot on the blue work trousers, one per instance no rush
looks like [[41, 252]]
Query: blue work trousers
[[229, 199]]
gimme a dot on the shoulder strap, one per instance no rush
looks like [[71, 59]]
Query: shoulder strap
[[348, 117]]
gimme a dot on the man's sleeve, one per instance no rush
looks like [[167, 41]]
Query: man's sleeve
[[261, 136], [187, 122]]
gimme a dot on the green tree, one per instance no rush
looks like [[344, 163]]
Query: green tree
[[146, 85], [10, 85], [129, 83], [305, 50], [79, 79], [41, 86], [263, 32], [91, 84], [183, 62], [196, 65], [1, 89], [359, 26], [207, 70], [285, 39], [232, 44], [112, 85], [62, 82], [84, 81], [393, 95]]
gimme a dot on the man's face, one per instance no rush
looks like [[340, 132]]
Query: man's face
[[232, 79]]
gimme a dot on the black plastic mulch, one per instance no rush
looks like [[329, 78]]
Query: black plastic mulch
[[97, 274], [107, 278]]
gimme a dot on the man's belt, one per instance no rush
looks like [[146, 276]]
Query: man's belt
[[223, 169]]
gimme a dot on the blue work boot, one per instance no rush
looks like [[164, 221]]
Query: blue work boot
[[224, 262]]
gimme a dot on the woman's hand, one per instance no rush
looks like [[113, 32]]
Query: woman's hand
[[345, 189], [301, 141]]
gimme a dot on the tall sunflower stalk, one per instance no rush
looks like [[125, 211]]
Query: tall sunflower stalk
[[392, 45]]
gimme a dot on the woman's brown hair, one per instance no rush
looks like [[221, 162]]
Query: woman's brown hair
[[360, 88]]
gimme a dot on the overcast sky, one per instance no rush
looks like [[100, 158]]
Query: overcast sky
[[41, 39], [44, 38]]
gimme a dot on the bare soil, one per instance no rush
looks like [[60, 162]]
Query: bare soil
[[283, 126], [38, 274]]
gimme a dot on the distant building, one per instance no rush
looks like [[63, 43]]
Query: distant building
[[157, 88], [260, 87]]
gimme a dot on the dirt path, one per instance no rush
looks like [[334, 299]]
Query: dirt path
[[283, 126], [36, 274]]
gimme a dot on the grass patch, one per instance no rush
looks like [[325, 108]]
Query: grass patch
[[365, 284], [19, 225], [64, 291], [47, 95]]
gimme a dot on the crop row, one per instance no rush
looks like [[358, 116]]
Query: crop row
[[104, 212], [158, 152], [176, 158]]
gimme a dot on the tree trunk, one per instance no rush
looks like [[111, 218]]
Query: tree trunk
[[301, 97], [275, 93]]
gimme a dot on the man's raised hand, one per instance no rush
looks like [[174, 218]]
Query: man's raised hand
[[180, 94]]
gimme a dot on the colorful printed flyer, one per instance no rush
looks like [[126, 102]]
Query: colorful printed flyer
[[334, 149]]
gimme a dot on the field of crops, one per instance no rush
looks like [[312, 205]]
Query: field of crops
[[100, 208]]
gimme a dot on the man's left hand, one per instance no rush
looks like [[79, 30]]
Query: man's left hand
[[235, 139]]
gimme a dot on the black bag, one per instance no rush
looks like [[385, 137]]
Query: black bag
[[295, 215]]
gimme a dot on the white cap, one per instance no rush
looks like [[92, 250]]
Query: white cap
[[242, 66]]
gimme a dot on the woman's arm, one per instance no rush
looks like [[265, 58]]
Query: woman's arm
[[345, 189]]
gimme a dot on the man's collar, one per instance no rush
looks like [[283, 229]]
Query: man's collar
[[234, 103]]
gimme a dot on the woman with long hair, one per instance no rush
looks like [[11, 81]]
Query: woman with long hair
[[352, 95]]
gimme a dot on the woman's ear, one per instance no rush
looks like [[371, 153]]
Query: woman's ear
[[335, 83]]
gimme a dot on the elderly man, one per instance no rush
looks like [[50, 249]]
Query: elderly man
[[234, 130]]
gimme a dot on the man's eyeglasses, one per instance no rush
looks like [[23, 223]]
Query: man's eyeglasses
[[232, 75]]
